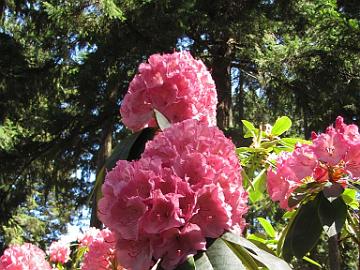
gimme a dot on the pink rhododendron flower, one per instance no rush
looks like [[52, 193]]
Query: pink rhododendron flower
[[186, 186], [59, 251], [177, 85], [333, 156], [23, 257], [101, 253]]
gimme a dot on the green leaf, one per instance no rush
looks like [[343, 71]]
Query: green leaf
[[309, 260], [259, 187], [267, 227], [289, 214], [349, 197], [257, 237], [291, 142], [332, 214], [281, 125], [121, 150], [243, 255], [218, 256], [251, 130], [161, 120], [270, 261], [202, 262], [304, 231], [250, 150], [189, 264]]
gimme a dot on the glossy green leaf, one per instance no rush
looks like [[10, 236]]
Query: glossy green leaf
[[291, 142], [269, 229], [161, 120], [250, 149], [281, 125], [270, 261], [243, 255], [349, 197], [257, 237], [332, 214], [304, 231], [259, 187], [251, 130], [218, 256]]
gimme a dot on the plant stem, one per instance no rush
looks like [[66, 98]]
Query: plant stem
[[334, 253]]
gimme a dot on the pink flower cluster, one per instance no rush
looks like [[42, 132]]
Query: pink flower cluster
[[177, 85], [333, 156], [187, 186], [59, 252], [23, 257], [100, 253]]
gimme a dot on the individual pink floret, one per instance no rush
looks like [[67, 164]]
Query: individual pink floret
[[59, 252], [176, 245], [23, 257], [177, 85]]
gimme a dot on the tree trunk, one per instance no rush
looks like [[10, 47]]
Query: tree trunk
[[240, 103], [221, 73]]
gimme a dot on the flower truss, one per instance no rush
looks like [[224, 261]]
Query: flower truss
[[176, 85], [24, 257], [187, 186], [333, 157]]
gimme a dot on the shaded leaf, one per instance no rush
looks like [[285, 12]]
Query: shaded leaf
[[332, 190], [332, 215], [304, 231], [189, 264], [222, 257], [122, 150]]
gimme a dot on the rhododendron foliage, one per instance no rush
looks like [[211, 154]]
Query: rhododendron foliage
[[187, 186], [177, 85], [23, 257], [59, 251], [332, 157]]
